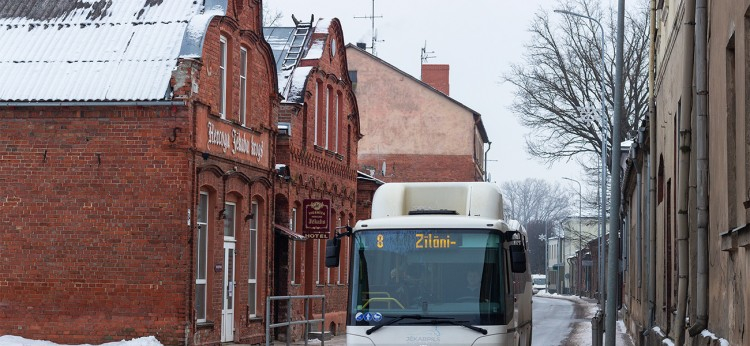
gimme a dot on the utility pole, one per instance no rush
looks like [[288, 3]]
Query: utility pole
[[613, 292], [372, 17]]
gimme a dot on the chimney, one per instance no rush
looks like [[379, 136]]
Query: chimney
[[437, 76], [362, 45]]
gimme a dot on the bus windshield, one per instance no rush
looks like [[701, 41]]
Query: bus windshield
[[440, 273]]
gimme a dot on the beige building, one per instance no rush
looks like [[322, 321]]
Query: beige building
[[413, 131], [710, 304]]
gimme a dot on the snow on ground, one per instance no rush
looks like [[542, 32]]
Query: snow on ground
[[11, 340], [582, 331]]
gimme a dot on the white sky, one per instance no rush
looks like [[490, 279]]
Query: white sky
[[479, 39]]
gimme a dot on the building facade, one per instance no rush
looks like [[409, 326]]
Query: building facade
[[685, 188], [317, 158], [138, 171], [413, 131]]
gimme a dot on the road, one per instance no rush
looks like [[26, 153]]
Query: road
[[552, 320]]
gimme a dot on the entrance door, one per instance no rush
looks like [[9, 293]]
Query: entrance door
[[227, 310]]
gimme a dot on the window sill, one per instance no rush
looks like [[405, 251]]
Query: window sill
[[205, 325], [734, 238]]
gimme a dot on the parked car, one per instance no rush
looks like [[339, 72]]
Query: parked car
[[538, 283]]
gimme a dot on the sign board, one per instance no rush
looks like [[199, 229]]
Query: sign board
[[316, 217]]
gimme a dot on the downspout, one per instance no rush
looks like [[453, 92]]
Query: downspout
[[686, 108], [701, 236], [489, 145], [652, 170]]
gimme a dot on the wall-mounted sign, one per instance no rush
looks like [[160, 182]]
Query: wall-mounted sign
[[316, 217], [234, 141]]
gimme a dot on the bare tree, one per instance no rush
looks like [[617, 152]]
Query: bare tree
[[539, 206], [271, 17], [535, 200], [561, 75]]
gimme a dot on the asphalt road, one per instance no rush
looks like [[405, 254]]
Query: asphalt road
[[552, 320]]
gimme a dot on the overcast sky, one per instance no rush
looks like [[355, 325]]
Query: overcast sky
[[479, 39]]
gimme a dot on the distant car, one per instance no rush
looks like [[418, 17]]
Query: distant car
[[538, 283]]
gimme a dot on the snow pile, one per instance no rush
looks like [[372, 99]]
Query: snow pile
[[12, 340]]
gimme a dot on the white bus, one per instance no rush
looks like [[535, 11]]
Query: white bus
[[437, 264]]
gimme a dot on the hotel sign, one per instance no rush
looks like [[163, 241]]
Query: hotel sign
[[316, 216]]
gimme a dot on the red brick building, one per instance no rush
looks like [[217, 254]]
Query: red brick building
[[317, 159], [413, 130], [137, 171]]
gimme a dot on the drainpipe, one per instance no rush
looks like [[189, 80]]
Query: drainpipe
[[652, 171], [701, 235], [489, 145], [686, 108]]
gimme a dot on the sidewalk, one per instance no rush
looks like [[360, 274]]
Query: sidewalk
[[580, 335]]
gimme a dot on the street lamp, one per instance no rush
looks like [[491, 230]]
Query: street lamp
[[604, 124], [580, 237]]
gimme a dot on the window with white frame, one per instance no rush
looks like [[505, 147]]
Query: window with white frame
[[243, 85], [200, 258], [336, 124], [223, 77], [328, 116], [229, 216], [317, 113], [317, 263], [252, 277], [338, 269], [293, 227]]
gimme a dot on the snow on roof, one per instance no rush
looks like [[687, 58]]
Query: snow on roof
[[97, 50], [290, 45]]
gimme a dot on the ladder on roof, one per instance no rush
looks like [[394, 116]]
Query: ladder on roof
[[295, 48]]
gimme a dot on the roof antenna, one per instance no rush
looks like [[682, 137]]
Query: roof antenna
[[424, 55], [372, 17]]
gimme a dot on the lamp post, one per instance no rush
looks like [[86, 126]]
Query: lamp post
[[580, 236], [604, 125]]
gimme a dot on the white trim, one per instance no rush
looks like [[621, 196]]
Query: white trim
[[252, 254], [223, 77], [202, 227], [243, 86]]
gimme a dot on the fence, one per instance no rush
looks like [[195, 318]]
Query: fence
[[289, 317]]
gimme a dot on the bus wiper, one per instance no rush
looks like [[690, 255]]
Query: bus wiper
[[403, 317], [462, 324], [456, 323]]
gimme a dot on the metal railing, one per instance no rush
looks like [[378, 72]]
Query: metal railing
[[289, 317]]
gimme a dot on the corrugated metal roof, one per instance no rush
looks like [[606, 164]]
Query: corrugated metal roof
[[96, 50], [290, 45]]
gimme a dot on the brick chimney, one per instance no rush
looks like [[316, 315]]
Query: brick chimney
[[437, 76]]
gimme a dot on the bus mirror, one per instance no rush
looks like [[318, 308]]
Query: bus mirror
[[332, 252], [517, 258]]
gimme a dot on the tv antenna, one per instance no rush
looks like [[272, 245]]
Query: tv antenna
[[424, 55], [372, 17]]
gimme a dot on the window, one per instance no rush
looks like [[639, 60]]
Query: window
[[317, 262], [293, 227], [201, 251], [229, 215], [328, 117], [243, 85], [252, 279], [338, 270], [336, 123], [317, 105], [223, 77]]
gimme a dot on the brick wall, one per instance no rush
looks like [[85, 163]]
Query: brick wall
[[90, 252], [420, 168]]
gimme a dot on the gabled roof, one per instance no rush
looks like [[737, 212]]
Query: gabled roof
[[477, 116], [98, 50], [291, 46]]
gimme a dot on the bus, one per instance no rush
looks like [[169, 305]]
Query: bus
[[436, 264]]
